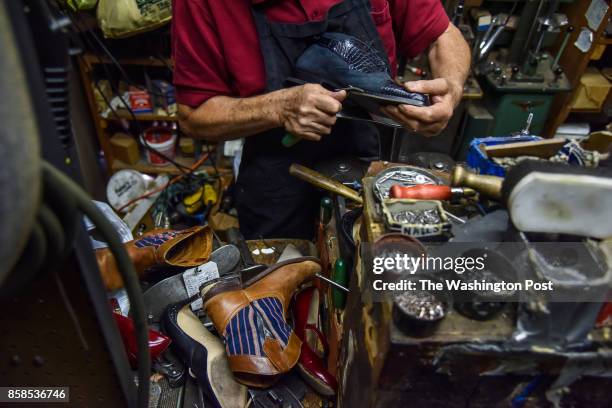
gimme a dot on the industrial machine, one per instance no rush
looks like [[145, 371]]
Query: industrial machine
[[522, 78]]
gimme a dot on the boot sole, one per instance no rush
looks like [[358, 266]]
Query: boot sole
[[359, 92], [315, 383], [217, 365]]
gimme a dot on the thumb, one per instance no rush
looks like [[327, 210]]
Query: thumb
[[338, 95], [437, 86]]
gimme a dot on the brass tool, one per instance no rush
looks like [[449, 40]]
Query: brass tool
[[319, 180], [487, 185]]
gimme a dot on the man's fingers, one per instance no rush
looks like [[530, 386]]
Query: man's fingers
[[319, 129], [310, 136], [394, 113], [339, 95], [427, 114], [328, 104], [409, 123], [437, 86]]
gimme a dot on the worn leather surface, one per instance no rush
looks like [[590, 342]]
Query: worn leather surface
[[345, 61], [281, 283], [185, 248]]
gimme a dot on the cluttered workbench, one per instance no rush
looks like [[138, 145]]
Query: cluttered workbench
[[464, 360]]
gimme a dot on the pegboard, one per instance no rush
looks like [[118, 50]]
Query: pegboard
[[45, 342]]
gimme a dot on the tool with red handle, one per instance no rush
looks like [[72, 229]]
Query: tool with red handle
[[429, 192]]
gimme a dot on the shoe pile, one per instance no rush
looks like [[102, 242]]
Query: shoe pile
[[256, 344]]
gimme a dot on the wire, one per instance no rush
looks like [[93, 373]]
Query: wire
[[162, 188], [141, 141], [58, 181], [214, 164]]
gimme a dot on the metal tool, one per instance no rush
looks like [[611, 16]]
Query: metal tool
[[487, 33], [458, 13], [454, 217], [486, 45], [331, 282], [566, 37], [487, 185], [319, 180], [250, 268], [172, 289]]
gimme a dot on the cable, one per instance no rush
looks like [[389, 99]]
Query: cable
[[141, 141], [62, 183], [162, 188], [214, 164]]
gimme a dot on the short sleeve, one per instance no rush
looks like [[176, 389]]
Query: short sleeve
[[417, 24], [199, 65]]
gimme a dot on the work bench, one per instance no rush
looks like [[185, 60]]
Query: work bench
[[462, 363]]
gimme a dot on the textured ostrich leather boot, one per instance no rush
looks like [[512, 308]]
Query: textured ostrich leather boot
[[345, 62], [259, 342], [185, 248]]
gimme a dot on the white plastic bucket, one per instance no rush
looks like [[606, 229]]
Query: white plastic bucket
[[162, 140]]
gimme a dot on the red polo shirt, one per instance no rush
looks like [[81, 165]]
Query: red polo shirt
[[216, 47]]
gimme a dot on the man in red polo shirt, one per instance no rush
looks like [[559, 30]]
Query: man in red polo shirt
[[231, 58]]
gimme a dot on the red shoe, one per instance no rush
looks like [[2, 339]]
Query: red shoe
[[312, 366], [158, 342]]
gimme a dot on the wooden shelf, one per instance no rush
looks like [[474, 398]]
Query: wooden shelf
[[604, 41], [141, 117], [574, 110], [144, 166], [93, 59]]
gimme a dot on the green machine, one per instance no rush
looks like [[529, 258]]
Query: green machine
[[524, 79], [510, 100]]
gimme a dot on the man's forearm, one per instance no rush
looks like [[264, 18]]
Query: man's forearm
[[225, 118], [449, 58]]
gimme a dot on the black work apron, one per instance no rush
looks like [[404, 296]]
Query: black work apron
[[270, 202]]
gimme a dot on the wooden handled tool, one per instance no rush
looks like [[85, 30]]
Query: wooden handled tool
[[486, 185], [429, 192], [319, 180]]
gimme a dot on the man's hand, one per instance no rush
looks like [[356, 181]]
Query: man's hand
[[428, 120], [309, 111]]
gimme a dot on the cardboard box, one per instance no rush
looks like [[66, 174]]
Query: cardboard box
[[592, 91], [164, 96], [125, 148], [140, 100]]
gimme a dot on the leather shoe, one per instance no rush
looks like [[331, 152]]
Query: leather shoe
[[204, 354], [346, 62], [185, 248], [259, 342], [311, 366]]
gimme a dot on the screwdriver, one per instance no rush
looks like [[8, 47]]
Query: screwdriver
[[429, 192]]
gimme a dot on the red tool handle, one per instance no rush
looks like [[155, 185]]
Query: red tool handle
[[421, 192]]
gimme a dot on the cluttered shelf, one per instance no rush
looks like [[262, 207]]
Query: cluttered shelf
[[123, 114], [145, 167], [93, 59]]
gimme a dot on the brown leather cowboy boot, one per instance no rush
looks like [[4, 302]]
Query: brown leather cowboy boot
[[259, 342], [185, 248]]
